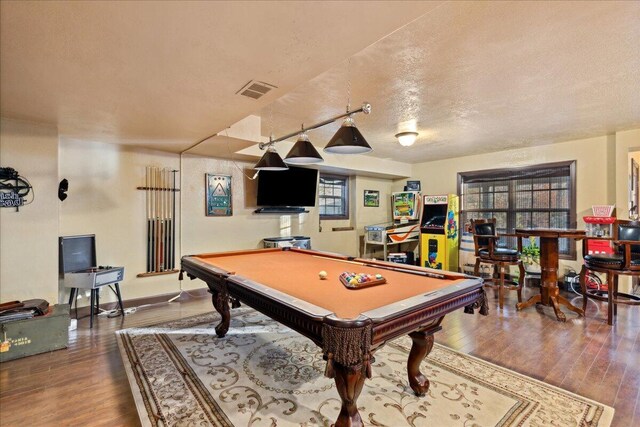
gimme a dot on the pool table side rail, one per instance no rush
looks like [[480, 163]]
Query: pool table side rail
[[313, 252], [422, 316], [402, 307], [387, 322], [192, 266], [304, 318]]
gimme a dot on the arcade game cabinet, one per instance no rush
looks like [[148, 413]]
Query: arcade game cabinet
[[404, 228], [439, 232]]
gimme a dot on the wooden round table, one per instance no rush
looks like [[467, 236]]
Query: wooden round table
[[549, 291]]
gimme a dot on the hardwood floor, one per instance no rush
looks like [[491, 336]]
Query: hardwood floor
[[85, 385]]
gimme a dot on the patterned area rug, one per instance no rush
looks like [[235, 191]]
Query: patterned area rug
[[264, 374]]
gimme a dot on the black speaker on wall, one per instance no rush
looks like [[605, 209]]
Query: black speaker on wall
[[63, 187]]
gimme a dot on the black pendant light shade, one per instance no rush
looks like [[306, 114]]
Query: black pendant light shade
[[271, 161], [348, 140], [303, 152]]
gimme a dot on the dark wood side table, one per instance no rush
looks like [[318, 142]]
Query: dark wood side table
[[549, 291]]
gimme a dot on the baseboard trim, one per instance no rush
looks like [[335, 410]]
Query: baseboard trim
[[137, 302]]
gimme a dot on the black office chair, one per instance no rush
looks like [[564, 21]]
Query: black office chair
[[624, 261], [487, 251]]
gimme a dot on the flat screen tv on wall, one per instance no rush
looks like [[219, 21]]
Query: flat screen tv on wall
[[291, 187]]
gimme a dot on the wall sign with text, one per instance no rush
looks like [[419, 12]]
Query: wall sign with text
[[15, 190]]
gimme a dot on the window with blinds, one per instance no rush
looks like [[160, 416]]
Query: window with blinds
[[541, 196], [333, 196]]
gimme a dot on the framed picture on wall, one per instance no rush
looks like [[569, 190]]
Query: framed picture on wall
[[371, 198], [413, 186], [218, 195]]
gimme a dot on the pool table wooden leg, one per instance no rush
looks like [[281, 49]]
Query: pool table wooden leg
[[422, 345], [349, 382], [220, 302]]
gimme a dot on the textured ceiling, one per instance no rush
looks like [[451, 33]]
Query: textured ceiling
[[470, 77], [165, 74], [484, 76]]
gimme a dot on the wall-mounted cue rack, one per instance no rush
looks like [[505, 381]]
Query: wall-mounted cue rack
[[160, 191]]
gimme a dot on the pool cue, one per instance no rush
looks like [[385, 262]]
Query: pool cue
[[160, 231], [168, 236], [152, 235], [146, 208], [157, 220], [346, 261], [148, 202], [160, 221], [167, 258], [416, 272], [173, 219], [165, 219], [169, 222], [443, 276], [160, 224], [167, 215], [161, 190], [165, 224], [152, 181]]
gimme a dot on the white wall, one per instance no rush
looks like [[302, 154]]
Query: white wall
[[592, 169], [103, 200], [594, 173], [245, 229], [29, 237], [373, 215]]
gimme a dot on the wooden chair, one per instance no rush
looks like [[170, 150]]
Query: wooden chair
[[487, 251], [624, 261]]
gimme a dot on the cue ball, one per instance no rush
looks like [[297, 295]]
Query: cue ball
[[322, 274]]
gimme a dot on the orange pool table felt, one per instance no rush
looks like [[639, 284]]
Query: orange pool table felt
[[296, 274]]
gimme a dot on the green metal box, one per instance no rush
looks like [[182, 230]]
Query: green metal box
[[36, 335]]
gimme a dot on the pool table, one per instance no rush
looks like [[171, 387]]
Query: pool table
[[348, 324]]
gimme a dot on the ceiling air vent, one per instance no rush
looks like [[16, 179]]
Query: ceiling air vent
[[255, 89]]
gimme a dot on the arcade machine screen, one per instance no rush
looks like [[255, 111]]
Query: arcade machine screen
[[434, 218]]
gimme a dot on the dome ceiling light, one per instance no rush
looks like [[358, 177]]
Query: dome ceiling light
[[406, 139]]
